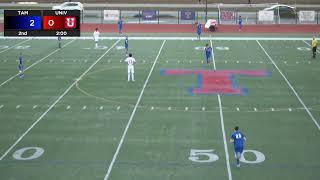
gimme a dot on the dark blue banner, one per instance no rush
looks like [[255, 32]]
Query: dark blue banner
[[188, 15], [149, 15]]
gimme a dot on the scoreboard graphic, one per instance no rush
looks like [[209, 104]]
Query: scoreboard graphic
[[41, 23]]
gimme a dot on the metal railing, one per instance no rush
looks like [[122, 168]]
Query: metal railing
[[171, 14], [174, 17]]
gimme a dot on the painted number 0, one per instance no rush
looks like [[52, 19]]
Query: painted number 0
[[22, 47], [203, 156], [259, 157], [4, 46], [15, 47], [37, 152], [222, 48], [102, 47], [303, 49]]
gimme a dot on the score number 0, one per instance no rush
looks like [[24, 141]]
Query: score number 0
[[70, 22]]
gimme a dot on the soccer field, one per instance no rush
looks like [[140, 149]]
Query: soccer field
[[74, 116]]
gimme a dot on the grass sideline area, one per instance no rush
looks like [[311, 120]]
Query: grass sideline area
[[189, 35], [75, 116]]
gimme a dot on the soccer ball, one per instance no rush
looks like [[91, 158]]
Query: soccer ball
[[20, 71]]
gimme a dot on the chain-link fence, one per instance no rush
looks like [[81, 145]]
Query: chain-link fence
[[229, 16], [190, 14]]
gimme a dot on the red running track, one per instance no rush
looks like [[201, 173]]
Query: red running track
[[190, 28]]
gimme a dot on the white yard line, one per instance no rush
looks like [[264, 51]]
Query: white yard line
[[172, 38], [310, 45], [55, 102], [35, 63], [222, 124], [132, 115], [291, 87], [14, 45]]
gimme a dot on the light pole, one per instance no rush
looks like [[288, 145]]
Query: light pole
[[206, 11]]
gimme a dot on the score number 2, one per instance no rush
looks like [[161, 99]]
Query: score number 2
[[32, 22]]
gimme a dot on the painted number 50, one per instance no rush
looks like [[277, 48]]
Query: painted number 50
[[203, 156]]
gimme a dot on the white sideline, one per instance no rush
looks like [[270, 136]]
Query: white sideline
[[35, 63], [132, 114], [15, 45], [171, 38], [222, 124], [56, 101], [291, 87]]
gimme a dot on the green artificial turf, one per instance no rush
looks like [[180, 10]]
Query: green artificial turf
[[82, 135]]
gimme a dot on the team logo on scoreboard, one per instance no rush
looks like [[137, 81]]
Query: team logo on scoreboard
[[70, 22]]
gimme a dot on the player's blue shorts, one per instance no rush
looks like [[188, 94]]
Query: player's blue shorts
[[208, 56], [126, 46], [199, 32], [20, 67], [238, 149]]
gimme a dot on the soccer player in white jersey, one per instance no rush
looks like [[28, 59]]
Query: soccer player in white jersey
[[131, 61], [96, 35]]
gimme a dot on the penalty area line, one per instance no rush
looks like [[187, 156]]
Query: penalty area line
[[55, 102], [132, 115], [291, 87]]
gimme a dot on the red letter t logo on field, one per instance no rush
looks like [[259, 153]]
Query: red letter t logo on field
[[216, 82]]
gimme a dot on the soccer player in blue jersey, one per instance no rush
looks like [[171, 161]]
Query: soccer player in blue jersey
[[199, 30], [59, 42], [240, 23], [126, 45], [208, 52], [120, 26], [238, 139], [20, 66]]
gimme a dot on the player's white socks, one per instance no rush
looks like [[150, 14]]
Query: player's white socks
[[96, 45], [132, 76]]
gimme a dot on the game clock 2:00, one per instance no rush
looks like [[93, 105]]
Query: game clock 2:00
[[41, 23]]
